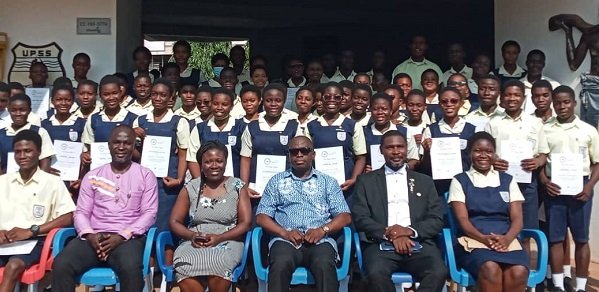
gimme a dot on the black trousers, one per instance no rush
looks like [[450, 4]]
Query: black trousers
[[79, 256], [320, 260], [427, 267]]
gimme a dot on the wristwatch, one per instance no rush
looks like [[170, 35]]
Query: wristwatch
[[326, 229], [35, 229]]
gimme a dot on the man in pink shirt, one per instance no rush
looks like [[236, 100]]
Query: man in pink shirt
[[117, 205]]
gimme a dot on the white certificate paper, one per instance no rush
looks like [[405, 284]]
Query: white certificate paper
[[377, 160], [229, 167], [514, 151], [11, 164], [100, 154], [446, 158], [330, 161], [566, 172], [156, 153], [18, 247], [68, 159], [40, 100], [266, 167]]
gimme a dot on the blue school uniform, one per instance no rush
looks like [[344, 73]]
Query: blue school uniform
[[232, 138], [193, 78], [372, 139], [102, 129], [333, 136], [489, 212], [166, 196], [434, 111], [6, 146], [269, 142], [65, 132]]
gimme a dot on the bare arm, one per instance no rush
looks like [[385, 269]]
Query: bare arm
[[244, 169], [178, 215], [182, 167], [194, 169]]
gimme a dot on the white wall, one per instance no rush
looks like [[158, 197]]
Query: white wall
[[527, 23], [38, 22]]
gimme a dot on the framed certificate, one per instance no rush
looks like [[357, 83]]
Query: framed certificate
[[446, 157], [330, 161], [566, 172], [68, 159], [156, 154], [266, 167]]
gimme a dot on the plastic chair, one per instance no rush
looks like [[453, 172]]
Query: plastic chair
[[106, 276], [300, 276], [36, 272], [464, 279], [401, 280], [165, 238]]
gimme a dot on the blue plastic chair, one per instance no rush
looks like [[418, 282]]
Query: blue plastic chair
[[105, 276], [301, 275], [165, 238], [464, 279], [398, 278]]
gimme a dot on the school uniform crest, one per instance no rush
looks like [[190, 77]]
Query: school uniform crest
[[505, 196], [232, 140], [38, 211], [283, 139], [73, 135], [341, 136], [23, 55]]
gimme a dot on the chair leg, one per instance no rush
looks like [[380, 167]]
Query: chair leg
[[163, 284], [344, 285], [33, 287], [262, 286], [149, 287], [18, 287]]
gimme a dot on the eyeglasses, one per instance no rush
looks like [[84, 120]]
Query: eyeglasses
[[303, 150], [331, 97], [457, 83], [450, 101]]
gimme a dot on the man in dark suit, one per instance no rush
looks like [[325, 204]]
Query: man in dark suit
[[396, 210]]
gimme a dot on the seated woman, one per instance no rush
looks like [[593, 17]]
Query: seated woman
[[488, 207], [220, 215]]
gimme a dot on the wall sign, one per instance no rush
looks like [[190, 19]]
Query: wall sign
[[23, 55], [93, 25]]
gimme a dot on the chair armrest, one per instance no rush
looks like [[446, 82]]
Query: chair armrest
[[537, 274], [345, 261], [46, 258], [246, 247], [164, 239], [60, 239], [454, 273], [259, 267], [359, 252], [150, 237]]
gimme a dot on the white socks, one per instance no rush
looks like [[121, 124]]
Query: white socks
[[567, 271], [581, 284], [558, 280]]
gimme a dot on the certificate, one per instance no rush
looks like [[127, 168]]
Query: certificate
[[514, 151], [377, 160], [18, 247], [40, 100], [446, 157], [290, 101], [100, 154], [566, 172], [330, 161], [156, 154], [11, 164], [68, 159], [229, 167], [266, 167]]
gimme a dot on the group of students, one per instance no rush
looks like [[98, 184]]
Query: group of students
[[256, 119]]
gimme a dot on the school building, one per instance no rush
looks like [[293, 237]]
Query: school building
[[109, 30]]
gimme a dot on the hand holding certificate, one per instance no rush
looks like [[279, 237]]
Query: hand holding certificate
[[156, 154], [68, 159], [100, 154], [266, 167], [566, 172], [40, 100], [330, 161], [514, 151], [377, 160], [446, 157]]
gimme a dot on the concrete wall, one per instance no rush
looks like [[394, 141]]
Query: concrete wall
[[129, 34], [36, 22], [527, 23]]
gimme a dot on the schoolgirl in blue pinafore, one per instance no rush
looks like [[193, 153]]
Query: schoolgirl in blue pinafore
[[489, 212], [103, 129], [231, 138], [372, 139], [65, 132], [166, 196], [434, 112]]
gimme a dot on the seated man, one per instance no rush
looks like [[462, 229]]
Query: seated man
[[398, 210], [33, 203], [300, 208], [117, 205]]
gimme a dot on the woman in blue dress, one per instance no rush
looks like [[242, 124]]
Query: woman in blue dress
[[488, 207]]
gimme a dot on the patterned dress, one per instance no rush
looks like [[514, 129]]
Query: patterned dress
[[214, 216]]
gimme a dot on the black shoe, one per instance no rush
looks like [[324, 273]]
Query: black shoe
[[580, 291], [568, 284], [548, 284], [556, 289]]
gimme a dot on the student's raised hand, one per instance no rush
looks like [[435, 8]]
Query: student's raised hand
[[17, 234], [86, 158], [314, 235], [139, 133], [170, 182], [529, 164], [348, 184], [3, 237], [500, 164], [253, 194], [585, 195], [426, 144], [403, 245], [294, 236]]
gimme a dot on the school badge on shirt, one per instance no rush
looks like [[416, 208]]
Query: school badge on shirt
[[73, 135], [505, 196], [232, 140], [23, 55], [38, 211], [283, 139], [341, 136]]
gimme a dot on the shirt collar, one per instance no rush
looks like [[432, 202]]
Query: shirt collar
[[313, 172], [400, 171], [461, 122], [291, 84], [519, 71], [11, 131], [119, 116], [167, 117], [350, 77], [337, 122], [68, 122], [16, 176], [434, 101], [377, 132], [186, 73], [474, 172], [423, 62], [508, 117], [574, 124], [228, 126]]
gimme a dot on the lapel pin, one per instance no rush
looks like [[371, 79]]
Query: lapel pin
[[418, 194]]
